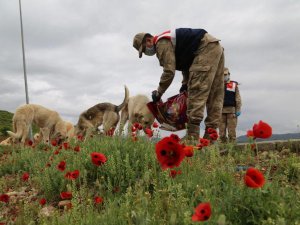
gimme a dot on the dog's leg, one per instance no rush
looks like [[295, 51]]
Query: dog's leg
[[45, 131], [124, 118], [25, 132], [110, 121]]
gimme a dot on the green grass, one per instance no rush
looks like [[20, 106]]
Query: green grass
[[5, 122], [137, 191]]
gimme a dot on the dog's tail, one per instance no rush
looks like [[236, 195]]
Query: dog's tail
[[17, 131], [125, 101], [14, 135]]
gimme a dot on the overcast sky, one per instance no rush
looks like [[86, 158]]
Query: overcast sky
[[79, 53]]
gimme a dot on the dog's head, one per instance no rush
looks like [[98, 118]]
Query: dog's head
[[60, 130], [146, 119]]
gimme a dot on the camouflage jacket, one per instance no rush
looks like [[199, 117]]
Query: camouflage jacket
[[165, 52]]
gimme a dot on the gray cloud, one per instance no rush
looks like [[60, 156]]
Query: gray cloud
[[79, 53]]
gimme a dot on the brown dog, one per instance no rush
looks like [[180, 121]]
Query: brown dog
[[44, 118], [136, 111], [105, 114]]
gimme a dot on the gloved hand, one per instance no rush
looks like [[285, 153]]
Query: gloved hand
[[238, 113], [156, 96], [183, 88]]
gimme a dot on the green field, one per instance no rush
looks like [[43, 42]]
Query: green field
[[135, 190]]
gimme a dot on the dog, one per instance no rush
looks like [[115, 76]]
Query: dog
[[6, 142], [47, 120], [45, 133], [136, 111], [105, 114]]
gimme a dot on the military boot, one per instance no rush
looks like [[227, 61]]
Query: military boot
[[192, 136]]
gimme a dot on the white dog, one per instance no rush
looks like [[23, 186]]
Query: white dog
[[47, 120], [137, 111]]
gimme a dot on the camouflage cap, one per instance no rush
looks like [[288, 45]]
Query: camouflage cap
[[138, 41]]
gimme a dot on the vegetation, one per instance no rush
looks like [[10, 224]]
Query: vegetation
[[131, 188]]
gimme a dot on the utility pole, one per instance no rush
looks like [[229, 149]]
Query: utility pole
[[24, 64]]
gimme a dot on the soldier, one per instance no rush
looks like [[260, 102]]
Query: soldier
[[200, 57], [231, 108]]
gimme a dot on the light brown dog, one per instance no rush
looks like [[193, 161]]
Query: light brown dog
[[7, 141], [47, 120], [105, 114], [136, 111], [45, 133]]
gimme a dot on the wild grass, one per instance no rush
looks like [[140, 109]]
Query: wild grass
[[135, 190]]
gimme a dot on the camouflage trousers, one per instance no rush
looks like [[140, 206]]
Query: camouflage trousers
[[206, 84], [228, 123]]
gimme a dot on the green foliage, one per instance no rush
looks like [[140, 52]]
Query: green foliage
[[137, 191], [5, 122]]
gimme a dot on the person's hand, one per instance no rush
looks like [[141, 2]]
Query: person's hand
[[156, 96], [183, 88], [238, 113]]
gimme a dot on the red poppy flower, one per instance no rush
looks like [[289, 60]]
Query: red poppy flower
[[30, 143], [155, 125], [211, 130], [250, 133], [98, 158], [169, 152], [72, 175], [175, 137], [80, 137], [54, 143], [42, 201], [66, 195], [61, 166], [77, 148], [25, 176], [262, 130], [204, 142], [214, 136], [4, 198], [110, 132], [189, 151], [202, 212], [66, 145], [56, 152], [254, 178], [149, 132], [199, 146], [140, 127], [136, 125], [133, 129], [174, 173], [98, 200]]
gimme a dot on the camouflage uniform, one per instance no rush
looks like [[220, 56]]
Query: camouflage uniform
[[229, 118], [204, 80]]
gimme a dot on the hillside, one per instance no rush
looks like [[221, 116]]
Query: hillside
[[5, 121], [275, 137]]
